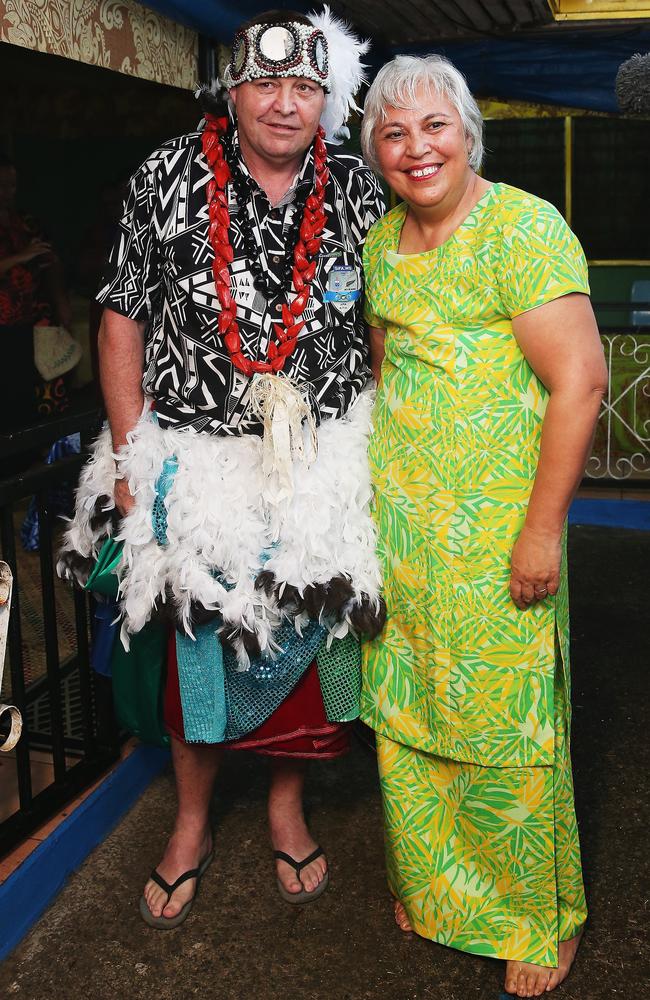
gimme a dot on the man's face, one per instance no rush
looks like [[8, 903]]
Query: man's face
[[277, 117]]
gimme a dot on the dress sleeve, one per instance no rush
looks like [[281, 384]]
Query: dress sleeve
[[131, 277], [540, 260], [369, 271]]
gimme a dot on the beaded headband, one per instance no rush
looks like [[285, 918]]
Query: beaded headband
[[288, 49]]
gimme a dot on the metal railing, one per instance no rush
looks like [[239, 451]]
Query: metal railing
[[621, 451], [68, 727]]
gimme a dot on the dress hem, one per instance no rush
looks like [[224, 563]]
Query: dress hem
[[447, 752]]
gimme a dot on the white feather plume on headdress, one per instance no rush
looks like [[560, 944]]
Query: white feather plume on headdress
[[346, 72]]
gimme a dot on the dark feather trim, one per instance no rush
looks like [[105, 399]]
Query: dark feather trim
[[248, 639], [266, 581], [74, 567], [104, 513], [368, 618], [200, 615], [213, 99]]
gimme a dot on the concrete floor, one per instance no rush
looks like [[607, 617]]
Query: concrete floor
[[242, 942]]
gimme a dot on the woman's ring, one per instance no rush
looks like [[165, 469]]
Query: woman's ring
[[541, 590]]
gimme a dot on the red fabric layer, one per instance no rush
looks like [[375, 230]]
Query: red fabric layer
[[298, 728]]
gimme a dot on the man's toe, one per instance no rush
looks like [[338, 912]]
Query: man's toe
[[293, 885], [312, 877]]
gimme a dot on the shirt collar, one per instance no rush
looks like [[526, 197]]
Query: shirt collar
[[303, 180]]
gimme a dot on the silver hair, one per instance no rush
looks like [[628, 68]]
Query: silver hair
[[396, 86]]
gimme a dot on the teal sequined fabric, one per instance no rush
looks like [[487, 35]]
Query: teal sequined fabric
[[221, 702], [253, 695], [159, 509], [201, 679], [339, 673]]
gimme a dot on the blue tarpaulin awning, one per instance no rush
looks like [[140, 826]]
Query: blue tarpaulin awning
[[576, 68]]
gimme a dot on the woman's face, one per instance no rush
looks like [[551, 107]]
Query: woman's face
[[423, 152]]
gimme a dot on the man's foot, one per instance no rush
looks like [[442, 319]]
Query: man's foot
[[289, 833], [184, 851], [523, 979], [401, 919]]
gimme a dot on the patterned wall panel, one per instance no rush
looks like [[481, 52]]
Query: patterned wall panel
[[114, 34]]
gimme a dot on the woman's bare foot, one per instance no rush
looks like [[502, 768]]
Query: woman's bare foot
[[567, 953], [401, 919], [524, 979], [185, 850]]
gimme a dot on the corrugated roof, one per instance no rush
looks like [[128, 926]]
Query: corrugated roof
[[414, 22]]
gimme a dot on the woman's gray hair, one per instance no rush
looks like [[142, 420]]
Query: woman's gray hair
[[396, 86]]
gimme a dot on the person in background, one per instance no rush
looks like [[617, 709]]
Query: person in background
[[491, 375], [32, 291]]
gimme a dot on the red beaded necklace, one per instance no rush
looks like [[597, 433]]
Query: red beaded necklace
[[304, 254]]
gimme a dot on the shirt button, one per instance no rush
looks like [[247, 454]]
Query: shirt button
[[275, 259]]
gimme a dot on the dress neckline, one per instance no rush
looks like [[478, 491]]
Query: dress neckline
[[482, 202]]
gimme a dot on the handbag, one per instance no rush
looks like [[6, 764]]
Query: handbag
[[139, 673], [55, 351]]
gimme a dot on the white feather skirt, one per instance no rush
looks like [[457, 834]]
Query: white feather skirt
[[220, 531]]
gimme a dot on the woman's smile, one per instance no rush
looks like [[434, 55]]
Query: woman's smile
[[424, 172]]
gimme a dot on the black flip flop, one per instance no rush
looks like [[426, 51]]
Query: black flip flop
[[166, 923], [303, 896]]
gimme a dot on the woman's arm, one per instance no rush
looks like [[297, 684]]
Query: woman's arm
[[561, 343], [377, 337], [35, 248]]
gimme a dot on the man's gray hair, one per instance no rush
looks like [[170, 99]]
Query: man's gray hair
[[397, 84]]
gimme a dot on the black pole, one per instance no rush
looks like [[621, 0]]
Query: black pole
[[207, 59]]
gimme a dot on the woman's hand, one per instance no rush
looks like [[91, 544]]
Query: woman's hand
[[534, 566], [36, 248]]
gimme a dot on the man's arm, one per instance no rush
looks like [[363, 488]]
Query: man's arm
[[121, 360]]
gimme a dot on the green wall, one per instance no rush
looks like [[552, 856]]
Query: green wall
[[614, 284]]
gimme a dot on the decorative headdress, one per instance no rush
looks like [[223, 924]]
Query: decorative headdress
[[325, 51], [279, 49]]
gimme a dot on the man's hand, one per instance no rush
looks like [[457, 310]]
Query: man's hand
[[124, 499], [534, 567]]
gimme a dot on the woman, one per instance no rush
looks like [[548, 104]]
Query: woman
[[490, 377]]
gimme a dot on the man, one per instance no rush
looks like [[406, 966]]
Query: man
[[235, 286]]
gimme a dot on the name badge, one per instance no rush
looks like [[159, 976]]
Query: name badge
[[343, 286]]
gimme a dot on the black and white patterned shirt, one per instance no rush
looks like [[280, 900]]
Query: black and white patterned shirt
[[160, 272]]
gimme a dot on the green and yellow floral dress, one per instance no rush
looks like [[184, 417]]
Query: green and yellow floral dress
[[468, 695]]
